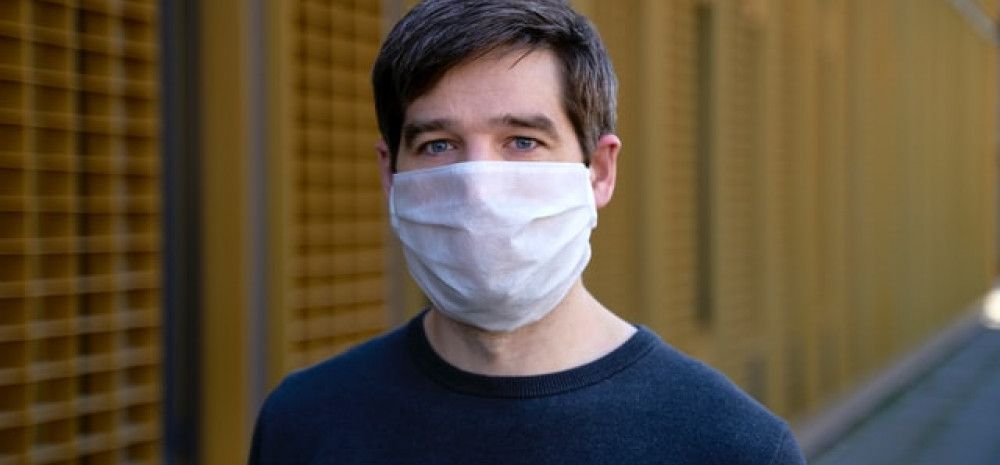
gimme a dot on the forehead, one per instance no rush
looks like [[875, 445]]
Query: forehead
[[513, 81]]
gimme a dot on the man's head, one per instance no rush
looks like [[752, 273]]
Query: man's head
[[438, 35]]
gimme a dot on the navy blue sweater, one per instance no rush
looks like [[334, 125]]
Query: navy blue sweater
[[394, 400]]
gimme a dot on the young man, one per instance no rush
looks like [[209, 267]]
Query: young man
[[498, 124]]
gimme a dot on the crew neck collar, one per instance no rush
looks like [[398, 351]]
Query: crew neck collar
[[458, 380]]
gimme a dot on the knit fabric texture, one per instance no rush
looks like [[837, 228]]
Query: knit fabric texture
[[393, 400]]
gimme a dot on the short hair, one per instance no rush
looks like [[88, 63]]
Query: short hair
[[437, 35]]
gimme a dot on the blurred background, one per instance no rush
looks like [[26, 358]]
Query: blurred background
[[190, 208]]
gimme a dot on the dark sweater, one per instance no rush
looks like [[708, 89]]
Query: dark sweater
[[393, 400]]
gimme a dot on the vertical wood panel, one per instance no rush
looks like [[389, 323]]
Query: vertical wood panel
[[226, 420]]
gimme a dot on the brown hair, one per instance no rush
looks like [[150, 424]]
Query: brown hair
[[437, 35]]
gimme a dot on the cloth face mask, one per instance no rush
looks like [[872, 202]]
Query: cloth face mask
[[495, 244]]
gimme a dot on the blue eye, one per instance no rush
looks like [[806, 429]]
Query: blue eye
[[437, 146], [525, 143]]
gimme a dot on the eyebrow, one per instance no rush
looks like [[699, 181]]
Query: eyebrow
[[414, 129], [538, 122]]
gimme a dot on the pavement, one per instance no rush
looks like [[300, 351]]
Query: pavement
[[949, 415]]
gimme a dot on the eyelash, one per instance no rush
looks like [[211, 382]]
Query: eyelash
[[425, 147], [536, 143]]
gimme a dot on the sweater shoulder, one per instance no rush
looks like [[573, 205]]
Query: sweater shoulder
[[298, 415], [727, 424], [334, 385], [339, 377], [694, 382]]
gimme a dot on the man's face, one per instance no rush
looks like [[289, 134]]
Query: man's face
[[501, 107], [504, 106]]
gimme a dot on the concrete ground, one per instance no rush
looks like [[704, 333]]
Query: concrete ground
[[950, 415]]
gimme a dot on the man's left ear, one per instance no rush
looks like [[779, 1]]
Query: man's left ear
[[603, 166]]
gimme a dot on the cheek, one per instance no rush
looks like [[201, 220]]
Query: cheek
[[407, 161], [410, 163]]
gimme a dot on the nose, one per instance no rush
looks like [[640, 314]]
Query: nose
[[480, 150]]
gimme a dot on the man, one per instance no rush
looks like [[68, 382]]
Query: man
[[498, 148]]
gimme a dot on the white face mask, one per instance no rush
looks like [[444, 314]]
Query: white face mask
[[495, 244]]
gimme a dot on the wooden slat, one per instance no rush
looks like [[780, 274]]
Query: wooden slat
[[81, 231], [337, 224]]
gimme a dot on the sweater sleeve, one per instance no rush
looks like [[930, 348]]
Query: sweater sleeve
[[256, 445], [271, 435], [788, 452]]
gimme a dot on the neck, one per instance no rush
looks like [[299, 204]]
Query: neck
[[579, 330]]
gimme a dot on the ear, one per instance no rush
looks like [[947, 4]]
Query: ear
[[384, 166], [603, 167]]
